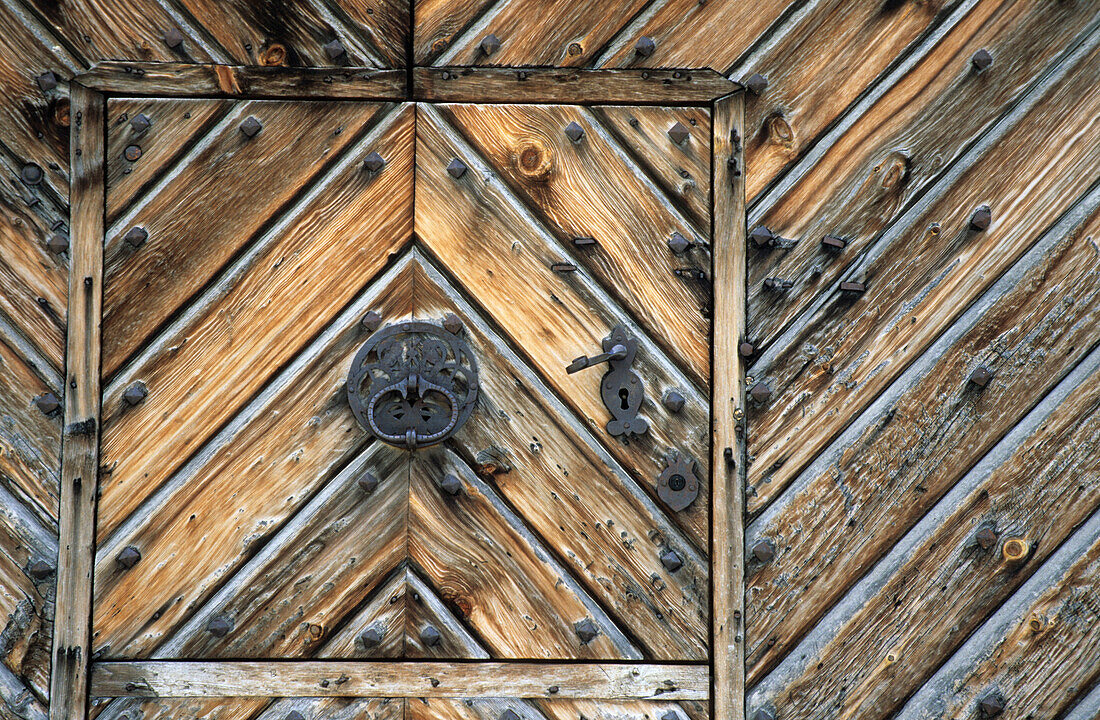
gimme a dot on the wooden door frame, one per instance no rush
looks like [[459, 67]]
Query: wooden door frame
[[721, 680]]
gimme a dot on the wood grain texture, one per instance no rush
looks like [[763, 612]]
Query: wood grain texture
[[592, 189], [26, 620], [80, 450], [1032, 336], [427, 679], [424, 607], [383, 609], [728, 407], [502, 256], [571, 86], [175, 126], [923, 276], [893, 151], [385, 25], [584, 507], [273, 301], [229, 708], [619, 710], [438, 22], [682, 170]]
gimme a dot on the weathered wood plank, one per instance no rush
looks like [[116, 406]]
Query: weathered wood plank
[[385, 24], [191, 80], [273, 301], [178, 708], [682, 169], [388, 679], [589, 188], [174, 126], [896, 469], [576, 499], [568, 85], [864, 175], [503, 257], [17, 701], [424, 607], [923, 275], [26, 608], [383, 613], [438, 22], [240, 489], [727, 412], [619, 709], [80, 449]]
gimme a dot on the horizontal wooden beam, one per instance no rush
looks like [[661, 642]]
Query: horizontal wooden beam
[[388, 679], [570, 85], [195, 80]]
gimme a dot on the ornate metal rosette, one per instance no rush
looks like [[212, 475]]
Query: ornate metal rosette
[[413, 384]]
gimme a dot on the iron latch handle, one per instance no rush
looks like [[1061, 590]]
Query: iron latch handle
[[617, 353]]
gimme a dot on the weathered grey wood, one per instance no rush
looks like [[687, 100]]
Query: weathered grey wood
[[400, 679], [571, 86], [727, 411], [193, 80], [80, 445]]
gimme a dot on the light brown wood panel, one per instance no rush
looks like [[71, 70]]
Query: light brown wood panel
[[178, 708], [829, 55], [230, 343], [486, 239], [608, 532], [384, 23], [500, 582], [423, 608], [681, 169], [226, 189], [247, 484], [561, 33], [620, 710], [921, 282], [175, 126], [438, 22], [896, 149], [899, 467], [592, 189], [384, 610]]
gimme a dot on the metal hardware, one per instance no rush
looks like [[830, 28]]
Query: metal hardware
[[135, 237], [760, 392], [373, 162], [219, 626], [456, 169], [586, 630], [986, 537], [563, 267], [58, 243], [852, 286], [734, 168], [764, 713], [509, 714], [46, 81], [679, 133], [764, 551], [775, 283], [621, 389], [671, 560], [981, 376], [128, 557], [490, 44], [413, 384], [981, 218], [673, 401], [430, 636], [173, 38], [368, 482], [134, 394], [132, 153], [140, 123], [294, 715], [335, 50], [645, 46], [371, 320], [372, 636], [574, 131], [756, 83], [991, 704], [677, 243], [832, 242], [40, 570], [584, 241], [47, 403], [981, 60], [452, 323], [32, 174], [251, 126], [762, 236], [678, 485], [746, 348], [451, 484]]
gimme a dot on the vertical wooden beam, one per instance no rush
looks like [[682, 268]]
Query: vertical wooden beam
[[727, 407], [80, 440]]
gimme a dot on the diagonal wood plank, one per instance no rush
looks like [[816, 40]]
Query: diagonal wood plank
[[590, 188], [384, 24], [383, 613], [424, 608], [199, 216], [260, 470], [272, 302], [503, 257], [438, 23]]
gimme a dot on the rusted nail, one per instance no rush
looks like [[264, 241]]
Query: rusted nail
[[40, 570], [1014, 550], [490, 44], [46, 81], [673, 401], [47, 403], [733, 166], [727, 453], [981, 218], [760, 392], [981, 60], [991, 704], [371, 320], [128, 557], [756, 83], [691, 274], [764, 713], [173, 38], [774, 283], [563, 267], [452, 323], [135, 393], [373, 162], [670, 715], [574, 131], [986, 537], [746, 348], [852, 286], [584, 241], [456, 169], [451, 484], [132, 153], [140, 123], [368, 482], [522, 75], [762, 236], [135, 237], [219, 626], [679, 133], [671, 560], [586, 630], [832, 242], [31, 174], [430, 636], [981, 376], [251, 126], [764, 551], [553, 689], [372, 636], [677, 243], [294, 715], [645, 46], [335, 49], [509, 714], [58, 243]]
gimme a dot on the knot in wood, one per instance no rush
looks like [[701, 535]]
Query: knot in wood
[[780, 131], [1014, 550], [533, 160], [272, 55]]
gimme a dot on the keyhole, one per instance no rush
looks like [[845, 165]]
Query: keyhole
[[677, 482], [624, 396]]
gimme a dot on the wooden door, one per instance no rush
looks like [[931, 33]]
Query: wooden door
[[259, 258]]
